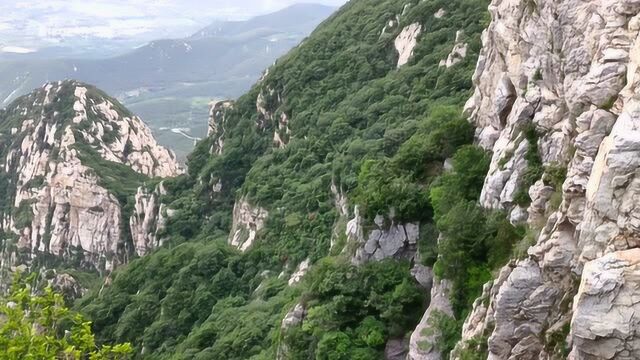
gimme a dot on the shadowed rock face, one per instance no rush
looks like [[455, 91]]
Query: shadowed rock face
[[66, 150], [569, 70]]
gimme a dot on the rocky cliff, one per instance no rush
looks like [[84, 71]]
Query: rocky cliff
[[71, 158], [556, 102]]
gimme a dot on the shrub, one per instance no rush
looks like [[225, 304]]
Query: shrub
[[39, 326]]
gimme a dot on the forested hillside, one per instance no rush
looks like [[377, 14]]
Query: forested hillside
[[347, 136]]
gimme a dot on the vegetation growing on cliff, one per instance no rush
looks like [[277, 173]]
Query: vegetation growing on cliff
[[381, 135]]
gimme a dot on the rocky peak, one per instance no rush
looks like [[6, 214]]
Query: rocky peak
[[70, 155]]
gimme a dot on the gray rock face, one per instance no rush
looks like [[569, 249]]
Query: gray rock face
[[423, 275], [569, 70], [384, 241], [293, 318], [612, 211], [282, 133], [396, 349], [606, 310], [458, 53], [300, 272], [67, 285]]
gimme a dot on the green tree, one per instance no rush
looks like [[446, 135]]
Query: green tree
[[42, 327]]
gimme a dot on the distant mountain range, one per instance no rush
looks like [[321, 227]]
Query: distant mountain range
[[219, 61]]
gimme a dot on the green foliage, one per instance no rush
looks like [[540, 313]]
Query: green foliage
[[398, 183], [379, 191], [537, 76], [475, 241], [555, 175], [5, 193], [186, 282], [428, 244], [470, 165], [354, 310], [608, 104], [474, 349], [23, 214], [438, 138], [118, 178], [534, 169], [556, 341], [39, 326], [35, 182], [520, 248], [448, 330]]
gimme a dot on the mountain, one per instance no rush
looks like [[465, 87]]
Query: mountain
[[416, 180], [170, 82], [72, 162], [304, 227], [299, 18]]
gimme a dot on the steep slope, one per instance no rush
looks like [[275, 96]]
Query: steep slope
[[304, 227], [71, 159]]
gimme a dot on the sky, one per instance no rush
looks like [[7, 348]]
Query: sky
[[26, 25]]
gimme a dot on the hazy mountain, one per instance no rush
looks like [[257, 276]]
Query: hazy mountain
[[299, 17], [219, 61], [104, 28]]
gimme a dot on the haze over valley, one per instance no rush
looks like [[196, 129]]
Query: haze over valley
[[168, 82]]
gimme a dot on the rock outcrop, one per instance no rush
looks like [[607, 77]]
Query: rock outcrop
[[66, 150], [300, 272], [458, 53], [247, 221], [558, 79], [425, 340], [605, 317], [148, 219], [217, 120], [293, 318], [387, 239], [66, 285], [406, 41]]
